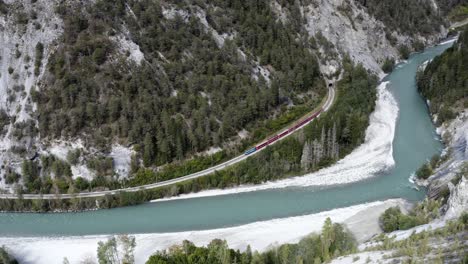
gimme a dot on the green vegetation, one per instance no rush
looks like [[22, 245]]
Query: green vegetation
[[39, 57], [445, 79], [388, 65], [453, 9], [441, 245], [335, 134], [4, 121], [3, 8], [181, 99], [424, 171], [117, 250], [332, 136], [5, 257], [459, 13], [427, 169], [393, 219], [404, 51], [405, 16], [334, 241]]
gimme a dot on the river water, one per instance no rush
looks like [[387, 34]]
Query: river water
[[415, 141]]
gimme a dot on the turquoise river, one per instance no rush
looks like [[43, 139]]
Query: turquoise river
[[415, 141]]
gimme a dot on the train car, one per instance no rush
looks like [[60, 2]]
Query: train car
[[261, 145], [272, 139], [250, 151], [284, 133]]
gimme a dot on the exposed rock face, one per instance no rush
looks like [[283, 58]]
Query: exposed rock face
[[458, 201], [354, 32], [340, 28], [364, 40], [455, 134], [18, 70]]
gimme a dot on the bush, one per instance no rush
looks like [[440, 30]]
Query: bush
[[389, 220], [404, 51], [99, 56], [73, 156], [445, 114], [39, 57], [5, 257], [393, 219], [424, 171], [388, 65]]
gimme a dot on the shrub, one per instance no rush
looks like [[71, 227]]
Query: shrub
[[388, 65], [389, 220], [445, 113], [424, 171], [39, 57], [404, 51], [73, 156]]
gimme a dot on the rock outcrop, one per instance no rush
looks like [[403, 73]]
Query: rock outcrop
[[458, 200]]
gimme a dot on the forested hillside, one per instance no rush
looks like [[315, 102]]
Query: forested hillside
[[109, 94], [444, 81], [335, 134], [189, 91]]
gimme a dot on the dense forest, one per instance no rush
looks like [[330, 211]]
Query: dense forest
[[333, 241], [189, 92], [332, 136], [335, 134], [444, 81]]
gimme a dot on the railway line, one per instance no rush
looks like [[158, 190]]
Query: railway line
[[261, 146]]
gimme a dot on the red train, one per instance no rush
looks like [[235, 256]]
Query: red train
[[284, 133]]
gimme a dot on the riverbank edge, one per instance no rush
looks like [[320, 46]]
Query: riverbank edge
[[363, 218]]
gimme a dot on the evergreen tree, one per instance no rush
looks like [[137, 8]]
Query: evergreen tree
[[148, 154]]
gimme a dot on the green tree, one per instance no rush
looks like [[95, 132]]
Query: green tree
[[148, 154], [117, 250]]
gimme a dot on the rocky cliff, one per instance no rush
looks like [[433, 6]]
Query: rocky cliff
[[34, 31]]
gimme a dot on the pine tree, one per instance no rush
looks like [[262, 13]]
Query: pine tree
[[318, 152], [322, 138], [307, 156], [335, 145], [329, 144], [148, 153], [327, 238]]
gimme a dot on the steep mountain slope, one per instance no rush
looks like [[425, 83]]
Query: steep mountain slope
[[444, 83], [91, 91], [27, 34]]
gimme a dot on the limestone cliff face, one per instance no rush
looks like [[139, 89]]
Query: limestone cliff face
[[458, 200], [455, 135], [27, 35], [351, 30], [30, 31]]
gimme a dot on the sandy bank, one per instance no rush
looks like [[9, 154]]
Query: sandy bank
[[362, 219]]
